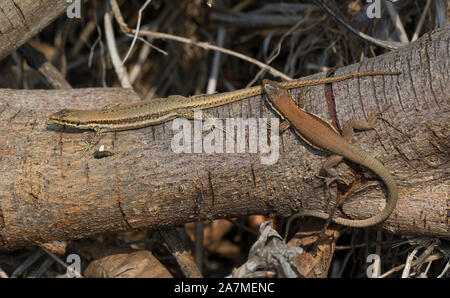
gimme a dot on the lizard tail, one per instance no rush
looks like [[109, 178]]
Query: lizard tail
[[391, 200]]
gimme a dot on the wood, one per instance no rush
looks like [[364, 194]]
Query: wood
[[48, 193], [20, 20]]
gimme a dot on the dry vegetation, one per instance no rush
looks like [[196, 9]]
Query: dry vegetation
[[294, 37]]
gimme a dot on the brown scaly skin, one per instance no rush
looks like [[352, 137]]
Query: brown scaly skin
[[322, 135]]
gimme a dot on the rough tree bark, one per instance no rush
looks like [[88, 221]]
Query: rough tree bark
[[20, 20], [47, 192]]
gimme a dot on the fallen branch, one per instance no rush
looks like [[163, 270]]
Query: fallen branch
[[49, 193]]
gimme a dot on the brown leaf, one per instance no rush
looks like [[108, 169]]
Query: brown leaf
[[140, 264], [304, 263]]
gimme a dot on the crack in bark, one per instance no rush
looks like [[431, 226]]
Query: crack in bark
[[252, 170], [428, 69], [329, 95], [411, 81], [1, 9], [211, 187], [119, 204], [2, 220], [20, 12]]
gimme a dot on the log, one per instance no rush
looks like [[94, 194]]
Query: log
[[48, 192], [20, 20]]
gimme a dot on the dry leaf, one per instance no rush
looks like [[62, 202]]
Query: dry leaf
[[136, 264]]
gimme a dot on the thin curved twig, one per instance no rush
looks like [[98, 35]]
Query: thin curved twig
[[113, 52], [138, 26], [204, 45], [382, 43]]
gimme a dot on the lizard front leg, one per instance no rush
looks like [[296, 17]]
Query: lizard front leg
[[92, 142]]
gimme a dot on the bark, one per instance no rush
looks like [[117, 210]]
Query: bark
[[20, 20], [47, 192]]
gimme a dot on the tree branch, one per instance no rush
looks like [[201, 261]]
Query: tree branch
[[47, 192], [20, 20]]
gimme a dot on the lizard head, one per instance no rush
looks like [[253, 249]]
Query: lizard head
[[67, 118]]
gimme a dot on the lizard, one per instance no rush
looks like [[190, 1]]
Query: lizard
[[323, 136], [159, 110]]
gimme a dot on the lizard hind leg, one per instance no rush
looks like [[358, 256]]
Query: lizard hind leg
[[329, 164], [351, 125], [329, 167]]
